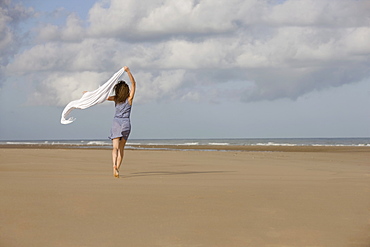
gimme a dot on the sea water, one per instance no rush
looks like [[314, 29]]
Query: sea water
[[133, 143]]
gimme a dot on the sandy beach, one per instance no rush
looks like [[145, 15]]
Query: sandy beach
[[268, 197]]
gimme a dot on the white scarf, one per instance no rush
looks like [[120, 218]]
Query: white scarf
[[91, 98]]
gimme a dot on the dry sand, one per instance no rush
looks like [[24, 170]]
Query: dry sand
[[68, 197]]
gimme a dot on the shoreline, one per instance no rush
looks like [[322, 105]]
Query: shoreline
[[237, 148]]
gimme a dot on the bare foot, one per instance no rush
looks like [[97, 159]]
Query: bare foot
[[115, 172]]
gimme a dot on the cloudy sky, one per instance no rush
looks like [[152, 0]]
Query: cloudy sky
[[204, 68]]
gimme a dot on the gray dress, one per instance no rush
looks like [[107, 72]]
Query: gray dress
[[121, 126]]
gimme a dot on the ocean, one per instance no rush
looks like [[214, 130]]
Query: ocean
[[135, 143]]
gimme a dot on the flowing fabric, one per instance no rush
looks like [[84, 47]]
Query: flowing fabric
[[91, 98]]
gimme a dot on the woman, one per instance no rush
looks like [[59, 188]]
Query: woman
[[121, 122]]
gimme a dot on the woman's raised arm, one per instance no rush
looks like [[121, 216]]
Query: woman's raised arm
[[133, 85]]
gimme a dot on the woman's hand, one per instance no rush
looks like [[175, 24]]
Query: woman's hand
[[126, 69], [84, 92]]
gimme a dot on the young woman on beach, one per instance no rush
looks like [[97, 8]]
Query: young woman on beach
[[121, 122]]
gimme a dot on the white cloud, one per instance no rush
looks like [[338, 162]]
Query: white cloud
[[187, 49], [88, 55], [60, 88], [188, 17], [10, 17], [326, 13], [160, 86], [73, 31]]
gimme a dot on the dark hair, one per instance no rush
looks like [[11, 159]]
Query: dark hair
[[122, 91]]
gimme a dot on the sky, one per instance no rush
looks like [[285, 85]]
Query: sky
[[204, 68]]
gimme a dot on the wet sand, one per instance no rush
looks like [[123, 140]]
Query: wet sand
[[270, 196]]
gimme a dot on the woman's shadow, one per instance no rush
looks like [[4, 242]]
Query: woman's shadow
[[167, 173]]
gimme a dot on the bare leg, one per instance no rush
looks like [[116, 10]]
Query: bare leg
[[115, 150], [121, 147], [117, 154]]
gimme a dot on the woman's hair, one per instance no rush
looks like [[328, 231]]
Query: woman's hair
[[122, 91]]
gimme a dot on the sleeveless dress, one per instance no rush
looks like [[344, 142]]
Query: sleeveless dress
[[121, 126]]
